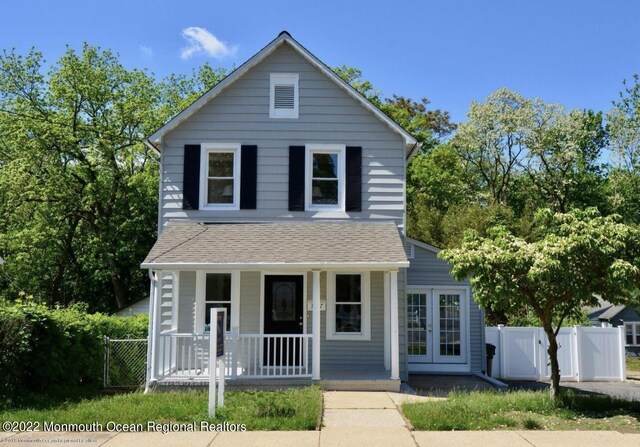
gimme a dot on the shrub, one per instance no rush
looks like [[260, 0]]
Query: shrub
[[44, 351]]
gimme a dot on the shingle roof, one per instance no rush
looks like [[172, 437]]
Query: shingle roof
[[309, 243]]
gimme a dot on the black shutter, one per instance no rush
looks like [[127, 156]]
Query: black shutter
[[354, 179], [296, 178], [248, 177], [191, 177]]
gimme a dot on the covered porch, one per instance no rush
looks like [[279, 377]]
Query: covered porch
[[305, 302]]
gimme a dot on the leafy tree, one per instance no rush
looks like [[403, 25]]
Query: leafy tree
[[493, 140], [574, 257], [624, 127], [79, 186]]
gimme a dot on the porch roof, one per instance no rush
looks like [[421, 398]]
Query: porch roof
[[295, 244]]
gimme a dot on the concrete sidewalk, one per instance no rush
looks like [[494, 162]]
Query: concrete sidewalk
[[350, 419]]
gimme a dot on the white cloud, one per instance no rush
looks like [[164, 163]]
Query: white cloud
[[146, 51], [202, 41]]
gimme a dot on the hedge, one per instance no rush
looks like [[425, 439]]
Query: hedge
[[44, 350]]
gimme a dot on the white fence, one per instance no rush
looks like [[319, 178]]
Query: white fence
[[585, 354]]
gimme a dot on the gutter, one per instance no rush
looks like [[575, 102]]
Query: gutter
[[151, 146], [416, 146]]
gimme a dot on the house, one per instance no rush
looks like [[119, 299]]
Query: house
[[282, 200], [609, 314]]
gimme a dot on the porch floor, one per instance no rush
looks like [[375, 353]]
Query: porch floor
[[360, 378]]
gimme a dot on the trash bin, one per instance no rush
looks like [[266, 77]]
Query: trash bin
[[491, 352]]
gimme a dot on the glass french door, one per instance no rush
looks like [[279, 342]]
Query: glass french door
[[436, 325]]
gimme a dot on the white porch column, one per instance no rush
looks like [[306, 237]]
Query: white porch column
[[395, 348], [315, 363], [151, 331], [387, 326], [155, 336]]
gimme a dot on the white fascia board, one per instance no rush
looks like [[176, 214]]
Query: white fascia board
[[369, 266]]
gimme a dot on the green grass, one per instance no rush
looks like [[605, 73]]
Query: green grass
[[633, 364], [526, 410], [291, 409]]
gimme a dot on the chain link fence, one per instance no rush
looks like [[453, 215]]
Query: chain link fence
[[125, 362]]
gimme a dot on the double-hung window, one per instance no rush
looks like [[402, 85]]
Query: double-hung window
[[632, 334], [220, 166], [325, 177], [348, 307]]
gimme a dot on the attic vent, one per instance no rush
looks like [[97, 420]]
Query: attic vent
[[283, 95]]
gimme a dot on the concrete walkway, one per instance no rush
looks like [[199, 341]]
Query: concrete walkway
[[350, 419]]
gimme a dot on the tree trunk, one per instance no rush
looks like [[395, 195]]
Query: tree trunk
[[119, 287], [553, 359]]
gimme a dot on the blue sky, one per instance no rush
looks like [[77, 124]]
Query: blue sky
[[575, 52]]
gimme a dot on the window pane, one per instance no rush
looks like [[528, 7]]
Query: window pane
[[348, 288], [218, 287], [220, 191], [325, 165], [325, 192], [628, 329], [207, 317], [284, 301], [450, 334], [348, 317], [221, 164]]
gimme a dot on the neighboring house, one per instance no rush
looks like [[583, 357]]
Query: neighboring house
[[135, 308], [606, 313], [282, 199]]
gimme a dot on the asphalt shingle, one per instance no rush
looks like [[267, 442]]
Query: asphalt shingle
[[278, 243]]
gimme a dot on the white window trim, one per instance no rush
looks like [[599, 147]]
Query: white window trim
[[206, 149], [365, 290], [201, 286], [635, 331], [284, 78], [311, 149]]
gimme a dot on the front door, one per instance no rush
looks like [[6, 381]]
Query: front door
[[436, 326], [283, 314]]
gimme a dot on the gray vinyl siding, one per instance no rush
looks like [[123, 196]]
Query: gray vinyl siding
[[250, 302], [187, 302], [344, 353], [240, 114], [427, 270]]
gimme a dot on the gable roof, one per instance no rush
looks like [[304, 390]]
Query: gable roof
[[424, 245], [283, 38]]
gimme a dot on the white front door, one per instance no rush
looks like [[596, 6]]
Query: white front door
[[437, 326]]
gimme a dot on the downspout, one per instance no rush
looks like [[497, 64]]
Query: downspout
[[151, 331]]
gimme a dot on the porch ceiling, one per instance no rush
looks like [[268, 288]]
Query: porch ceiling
[[304, 245]]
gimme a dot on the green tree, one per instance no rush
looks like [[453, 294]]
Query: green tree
[[79, 186], [574, 257], [624, 129]]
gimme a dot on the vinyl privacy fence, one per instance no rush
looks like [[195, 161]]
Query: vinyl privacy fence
[[586, 354]]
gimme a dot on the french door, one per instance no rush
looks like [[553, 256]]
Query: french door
[[437, 325]]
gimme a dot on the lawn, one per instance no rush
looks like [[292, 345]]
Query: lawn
[[528, 410], [633, 364], [291, 409]]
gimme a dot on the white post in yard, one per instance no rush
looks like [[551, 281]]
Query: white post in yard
[[315, 373], [622, 352], [213, 361], [395, 348]]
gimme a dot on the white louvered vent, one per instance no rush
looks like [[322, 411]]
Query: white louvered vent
[[284, 97]]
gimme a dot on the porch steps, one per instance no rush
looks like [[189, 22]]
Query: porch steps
[[361, 385]]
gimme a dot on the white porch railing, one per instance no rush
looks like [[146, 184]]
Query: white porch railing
[[183, 356]]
